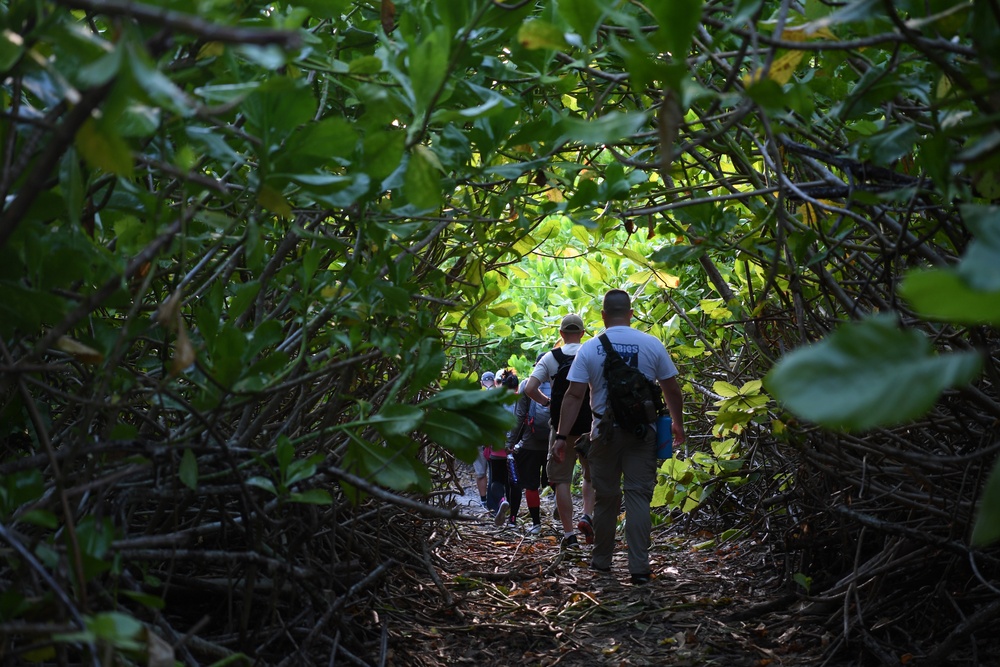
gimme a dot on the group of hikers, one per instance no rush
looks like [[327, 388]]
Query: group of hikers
[[596, 402]]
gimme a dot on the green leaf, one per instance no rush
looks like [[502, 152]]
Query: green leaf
[[725, 389], [103, 148], [27, 309], [316, 145], [867, 374], [269, 57], [607, 129], [397, 419], [20, 488], [262, 483], [117, 629], [943, 295], [139, 120], [980, 265], [227, 354], [325, 9], [189, 470], [145, 599], [538, 34], [365, 65], [852, 12], [383, 151], [157, 85], [454, 432], [392, 468], [584, 16], [284, 452], [678, 20], [459, 399], [312, 497], [243, 295], [423, 179], [984, 221], [11, 48], [277, 107], [506, 309], [986, 530], [493, 103], [429, 66], [889, 144], [71, 181], [429, 360], [101, 70], [41, 518]]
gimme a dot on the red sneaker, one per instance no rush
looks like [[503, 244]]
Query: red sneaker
[[586, 527]]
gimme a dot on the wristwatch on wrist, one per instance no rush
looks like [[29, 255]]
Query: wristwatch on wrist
[[548, 401], [560, 437]]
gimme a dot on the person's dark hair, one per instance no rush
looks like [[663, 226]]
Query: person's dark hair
[[509, 379], [617, 302]]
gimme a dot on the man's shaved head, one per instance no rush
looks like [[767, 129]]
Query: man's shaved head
[[617, 303]]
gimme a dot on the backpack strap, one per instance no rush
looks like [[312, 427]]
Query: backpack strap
[[606, 342], [559, 355]]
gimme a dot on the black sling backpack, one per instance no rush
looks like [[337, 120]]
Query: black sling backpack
[[560, 383], [635, 400]]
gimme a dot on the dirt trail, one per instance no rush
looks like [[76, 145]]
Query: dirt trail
[[513, 599]]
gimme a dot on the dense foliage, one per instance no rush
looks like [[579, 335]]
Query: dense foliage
[[252, 252]]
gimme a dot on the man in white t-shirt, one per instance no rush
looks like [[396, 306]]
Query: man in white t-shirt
[[560, 471], [616, 452]]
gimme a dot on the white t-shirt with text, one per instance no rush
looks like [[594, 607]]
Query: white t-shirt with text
[[637, 348]]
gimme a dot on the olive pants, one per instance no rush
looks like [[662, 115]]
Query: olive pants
[[619, 460]]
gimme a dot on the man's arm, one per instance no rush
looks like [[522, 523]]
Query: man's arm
[[674, 398], [571, 404], [534, 393]]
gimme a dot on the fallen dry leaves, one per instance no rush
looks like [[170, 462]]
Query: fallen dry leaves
[[518, 600]]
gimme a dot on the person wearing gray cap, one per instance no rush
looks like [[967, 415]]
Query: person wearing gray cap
[[553, 367]]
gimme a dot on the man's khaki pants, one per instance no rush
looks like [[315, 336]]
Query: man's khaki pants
[[617, 454]]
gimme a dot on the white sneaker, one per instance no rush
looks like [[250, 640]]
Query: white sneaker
[[534, 529], [502, 513]]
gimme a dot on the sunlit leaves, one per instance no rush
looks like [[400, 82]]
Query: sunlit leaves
[[738, 406]]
